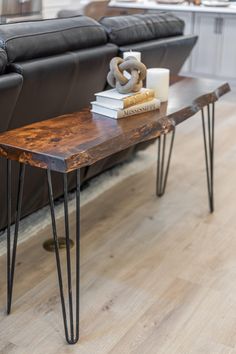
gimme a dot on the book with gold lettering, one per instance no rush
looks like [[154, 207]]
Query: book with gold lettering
[[117, 113], [116, 100]]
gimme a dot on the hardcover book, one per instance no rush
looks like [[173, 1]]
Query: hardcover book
[[117, 113], [117, 100]]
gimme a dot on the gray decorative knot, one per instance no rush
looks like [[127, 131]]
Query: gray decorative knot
[[135, 68]]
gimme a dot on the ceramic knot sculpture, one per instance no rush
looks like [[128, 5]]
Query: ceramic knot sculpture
[[117, 79]]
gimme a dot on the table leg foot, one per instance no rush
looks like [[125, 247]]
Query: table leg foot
[[11, 251], [208, 137], [162, 168], [71, 326]]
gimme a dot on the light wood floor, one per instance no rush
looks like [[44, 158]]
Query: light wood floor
[[157, 275]]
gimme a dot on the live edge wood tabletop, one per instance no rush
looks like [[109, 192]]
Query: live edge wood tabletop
[[72, 141], [69, 142]]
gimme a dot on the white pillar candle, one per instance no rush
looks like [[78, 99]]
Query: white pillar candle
[[137, 55], [158, 79]]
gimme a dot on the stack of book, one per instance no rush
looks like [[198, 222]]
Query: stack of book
[[115, 105]]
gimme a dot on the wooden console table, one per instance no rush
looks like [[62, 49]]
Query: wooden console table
[[69, 142]]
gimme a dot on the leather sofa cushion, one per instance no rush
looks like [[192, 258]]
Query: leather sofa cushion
[[123, 30], [30, 40], [3, 61]]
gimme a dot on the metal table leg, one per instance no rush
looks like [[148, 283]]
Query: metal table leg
[[11, 251], [208, 137], [162, 168], [72, 326]]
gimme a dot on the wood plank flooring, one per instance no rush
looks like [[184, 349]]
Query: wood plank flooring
[[158, 276]]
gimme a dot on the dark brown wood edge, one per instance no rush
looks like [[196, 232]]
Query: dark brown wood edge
[[91, 155], [144, 133], [198, 104]]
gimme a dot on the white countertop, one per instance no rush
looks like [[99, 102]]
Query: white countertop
[[185, 7]]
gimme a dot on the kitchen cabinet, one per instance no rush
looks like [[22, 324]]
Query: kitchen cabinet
[[205, 54], [215, 52], [227, 47]]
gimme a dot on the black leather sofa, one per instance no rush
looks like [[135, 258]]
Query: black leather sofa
[[52, 67]]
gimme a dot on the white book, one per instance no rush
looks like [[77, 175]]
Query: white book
[[118, 100], [106, 110]]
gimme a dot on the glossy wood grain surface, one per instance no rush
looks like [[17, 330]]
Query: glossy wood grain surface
[[72, 141]]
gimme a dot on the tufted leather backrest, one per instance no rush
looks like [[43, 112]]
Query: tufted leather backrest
[[123, 30], [30, 40]]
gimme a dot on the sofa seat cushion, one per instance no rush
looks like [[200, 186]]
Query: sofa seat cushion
[[124, 30], [3, 61], [30, 40]]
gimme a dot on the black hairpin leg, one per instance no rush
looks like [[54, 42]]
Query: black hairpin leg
[[208, 137], [11, 253], [71, 327], [162, 168]]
